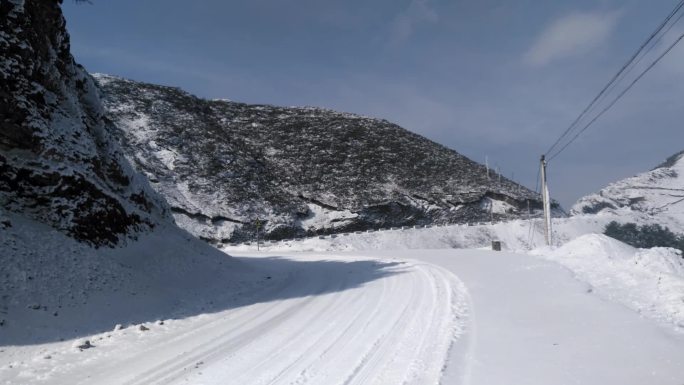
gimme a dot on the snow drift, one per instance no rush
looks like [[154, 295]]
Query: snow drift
[[650, 281]]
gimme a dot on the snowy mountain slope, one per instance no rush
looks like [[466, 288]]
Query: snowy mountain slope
[[656, 195], [58, 162], [221, 165]]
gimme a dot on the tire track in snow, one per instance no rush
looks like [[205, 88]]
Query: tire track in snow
[[353, 329], [229, 342], [371, 363], [293, 339], [332, 328], [313, 353]]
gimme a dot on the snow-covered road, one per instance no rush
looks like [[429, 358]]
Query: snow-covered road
[[387, 317], [532, 322], [353, 320]]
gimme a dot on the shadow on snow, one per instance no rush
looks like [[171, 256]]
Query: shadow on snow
[[255, 280]]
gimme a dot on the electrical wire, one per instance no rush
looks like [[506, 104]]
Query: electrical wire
[[626, 68], [641, 75]]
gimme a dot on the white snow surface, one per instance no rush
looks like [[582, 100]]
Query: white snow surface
[[168, 309], [496, 206], [532, 322], [53, 287], [649, 281], [590, 311], [320, 217]]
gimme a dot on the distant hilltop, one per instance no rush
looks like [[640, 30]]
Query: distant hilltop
[[657, 193], [222, 165]]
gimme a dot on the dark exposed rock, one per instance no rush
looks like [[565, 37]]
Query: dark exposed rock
[[59, 163], [671, 161]]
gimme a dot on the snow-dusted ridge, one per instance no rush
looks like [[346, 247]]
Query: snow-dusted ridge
[[299, 170], [656, 196]]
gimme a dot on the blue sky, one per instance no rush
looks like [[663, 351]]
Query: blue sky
[[491, 78]]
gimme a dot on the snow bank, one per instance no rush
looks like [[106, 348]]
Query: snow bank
[[661, 260], [650, 281], [516, 235], [54, 287]]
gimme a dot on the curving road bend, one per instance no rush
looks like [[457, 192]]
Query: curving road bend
[[331, 320]]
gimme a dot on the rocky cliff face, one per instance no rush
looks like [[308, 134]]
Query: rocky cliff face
[[59, 164], [657, 193], [223, 165]]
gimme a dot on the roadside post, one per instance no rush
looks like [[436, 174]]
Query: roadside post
[[258, 226]]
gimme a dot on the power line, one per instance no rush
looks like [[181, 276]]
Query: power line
[[620, 95], [645, 48], [650, 48], [640, 58], [619, 75]]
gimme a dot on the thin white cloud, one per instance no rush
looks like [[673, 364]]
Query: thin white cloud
[[571, 35], [403, 26]]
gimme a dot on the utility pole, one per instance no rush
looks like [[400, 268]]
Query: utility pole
[[491, 210], [258, 225], [546, 201], [487, 165]]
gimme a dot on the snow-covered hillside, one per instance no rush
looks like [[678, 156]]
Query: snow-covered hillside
[[654, 196], [55, 288], [59, 164], [222, 165]]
